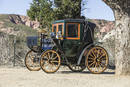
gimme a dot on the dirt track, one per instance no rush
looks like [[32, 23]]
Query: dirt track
[[21, 77]]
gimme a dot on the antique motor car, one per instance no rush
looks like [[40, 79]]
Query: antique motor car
[[72, 44]]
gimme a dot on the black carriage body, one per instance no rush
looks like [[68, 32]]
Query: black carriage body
[[76, 35]]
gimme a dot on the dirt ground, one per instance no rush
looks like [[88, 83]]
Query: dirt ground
[[21, 77]]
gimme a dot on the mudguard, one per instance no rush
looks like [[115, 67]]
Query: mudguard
[[81, 55]]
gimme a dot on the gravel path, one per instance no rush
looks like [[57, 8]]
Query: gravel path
[[21, 77]]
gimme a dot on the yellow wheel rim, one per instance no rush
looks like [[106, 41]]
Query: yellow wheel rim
[[50, 61], [32, 61], [97, 59]]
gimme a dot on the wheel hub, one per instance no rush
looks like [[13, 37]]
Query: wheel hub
[[50, 61], [36, 59], [97, 60]]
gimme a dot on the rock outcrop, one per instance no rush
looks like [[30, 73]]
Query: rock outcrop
[[18, 19]]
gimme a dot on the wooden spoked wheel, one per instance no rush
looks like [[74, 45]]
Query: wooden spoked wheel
[[32, 61], [76, 68], [50, 61], [97, 60]]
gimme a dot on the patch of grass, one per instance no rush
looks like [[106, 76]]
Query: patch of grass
[[3, 17]]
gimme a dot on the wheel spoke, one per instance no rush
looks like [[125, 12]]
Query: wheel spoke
[[93, 54], [45, 59], [100, 67], [55, 61], [91, 64], [103, 65], [55, 57], [53, 64], [92, 58], [51, 67], [45, 64], [31, 57], [49, 56], [98, 53], [102, 56], [96, 66], [52, 55]]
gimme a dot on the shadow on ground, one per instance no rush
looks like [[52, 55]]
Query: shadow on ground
[[84, 72]]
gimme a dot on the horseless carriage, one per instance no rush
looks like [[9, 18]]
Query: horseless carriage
[[71, 44]]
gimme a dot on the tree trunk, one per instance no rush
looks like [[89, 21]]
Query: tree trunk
[[122, 44], [121, 11]]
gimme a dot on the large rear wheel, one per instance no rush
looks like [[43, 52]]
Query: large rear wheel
[[97, 60], [50, 61], [32, 61]]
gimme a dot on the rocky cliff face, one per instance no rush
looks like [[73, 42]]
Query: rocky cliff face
[[102, 27], [18, 19]]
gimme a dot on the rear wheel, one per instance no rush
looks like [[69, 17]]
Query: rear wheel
[[97, 59], [77, 68], [50, 61], [32, 61]]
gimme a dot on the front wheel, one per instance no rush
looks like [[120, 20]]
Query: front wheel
[[50, 61], [32, 61], [97, 60]]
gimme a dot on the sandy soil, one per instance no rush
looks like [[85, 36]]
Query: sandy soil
[[21, 77]]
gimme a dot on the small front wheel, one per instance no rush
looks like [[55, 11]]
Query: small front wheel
[[50, 61], [32, 61], [97, 60]]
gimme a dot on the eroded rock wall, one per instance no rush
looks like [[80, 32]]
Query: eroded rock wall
[[18, 19]]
